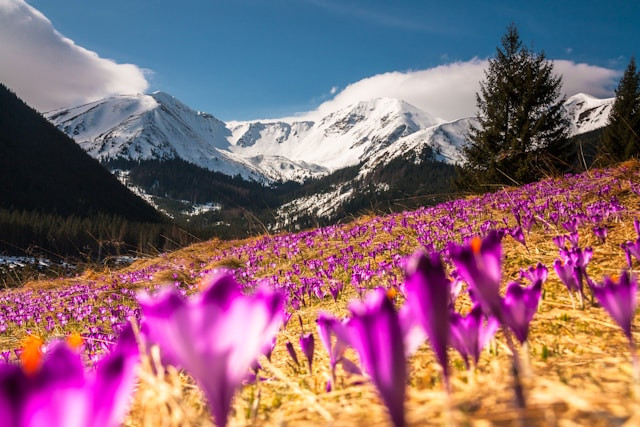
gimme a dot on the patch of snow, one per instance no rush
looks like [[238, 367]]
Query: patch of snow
[[123, 177], [321, 205], [197, 209], [371, 132], [587, 113]]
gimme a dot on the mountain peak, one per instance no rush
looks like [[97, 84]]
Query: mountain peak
[[587, 112], [159, 126]]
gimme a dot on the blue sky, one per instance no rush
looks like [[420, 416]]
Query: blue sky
[[247, 59]]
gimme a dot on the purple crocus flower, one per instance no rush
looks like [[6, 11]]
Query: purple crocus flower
[[328, 326], [573, 238], [470, 334], [215, 336], [334, 289], [518, 235], [618, 297], [376, 335], [571, 226], [428, 295], [559, 241], [572, 269], [292, 352], [631, 248], [581, 258], [600, 233], [519, 306], [479, 264], [565, 271], [62, 393], [413, 334], [307, 346], [533, 274]]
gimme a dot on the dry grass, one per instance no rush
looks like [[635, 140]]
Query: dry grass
[[578, 369]]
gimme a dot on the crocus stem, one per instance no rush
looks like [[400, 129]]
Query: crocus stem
[[526, 360], [516, 369], [573, 301], [471, 374]]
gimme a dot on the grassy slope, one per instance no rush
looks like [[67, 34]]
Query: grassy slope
[[578, 360]]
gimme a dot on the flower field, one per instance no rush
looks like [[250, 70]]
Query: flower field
[[512, 307]]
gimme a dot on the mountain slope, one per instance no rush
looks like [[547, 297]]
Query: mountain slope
[[587, 113], [42, 169], [377, 142], [157, 126], [343, 138], [149, 127]]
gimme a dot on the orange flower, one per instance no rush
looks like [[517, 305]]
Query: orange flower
[[31, 356], [392, 293], [75, 340]]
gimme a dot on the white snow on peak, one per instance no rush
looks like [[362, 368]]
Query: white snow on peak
[[343, 138], [587, 113], [370, 132]]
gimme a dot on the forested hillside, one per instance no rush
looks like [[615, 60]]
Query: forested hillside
[[56, 198]]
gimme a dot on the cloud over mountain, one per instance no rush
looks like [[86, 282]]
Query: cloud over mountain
[[448, 91], [50, 71]]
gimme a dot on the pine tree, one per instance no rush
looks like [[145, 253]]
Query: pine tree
[[621, 138], [522, 128]]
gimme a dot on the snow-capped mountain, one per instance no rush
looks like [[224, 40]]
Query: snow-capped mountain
[[343, 138], [587, 113], [143, 127], [157, 126], [372, 135]]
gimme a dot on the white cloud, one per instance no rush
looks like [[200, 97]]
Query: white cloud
[[449, 91], [590, 79], [50, 71]]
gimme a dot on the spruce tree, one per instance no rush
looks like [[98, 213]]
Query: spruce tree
[[621, 138], [522, 129]]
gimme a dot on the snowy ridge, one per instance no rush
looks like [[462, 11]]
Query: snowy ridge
[[587, 113], [158, 126], [369, 133]]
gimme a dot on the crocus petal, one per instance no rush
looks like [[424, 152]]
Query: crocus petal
[[215, 337], [413, 334], [59, 394], [325, 324], [460, 335], [470, 334], [169, 314], [428, 294], [115, 378], [328, 325], [307, 344], [565, 273], [479, 264], [518, 235], [519, 306], [350, 367], [377, 337], [619, 299], [13, 388], [533, 274], [292, 352]]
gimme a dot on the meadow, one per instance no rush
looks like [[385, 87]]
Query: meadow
[[357, 319]]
